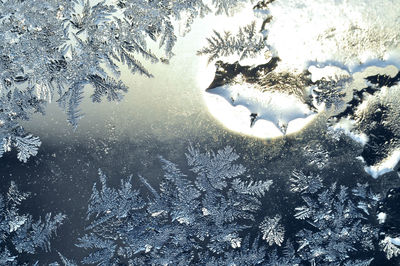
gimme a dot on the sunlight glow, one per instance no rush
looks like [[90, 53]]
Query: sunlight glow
[[278, 113]]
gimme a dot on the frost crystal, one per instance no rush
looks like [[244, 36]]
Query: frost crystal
[[331, 93], [52, 50], [247, 43], [305, 183], [389, 247], [288, 257], [27, 147], [316, 155], [190, 215], [338, 226], [388, 217], [249, 254], [65, 261], [228, 6], [20, 233], [272, 231]]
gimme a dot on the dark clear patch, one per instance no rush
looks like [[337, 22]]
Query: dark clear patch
[[380, 136], [384, 80]]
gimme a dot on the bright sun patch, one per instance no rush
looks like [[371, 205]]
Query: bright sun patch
[[337, 58], [348, 33]]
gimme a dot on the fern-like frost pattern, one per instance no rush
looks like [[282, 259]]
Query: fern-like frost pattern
[[191, 214], [21, 231], [53, 50], [338, 221], [247, 43]]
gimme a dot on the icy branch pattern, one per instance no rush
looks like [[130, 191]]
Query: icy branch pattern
[[338, 225], [389, 247], [272, 231], [247, 43], [52, 50], [21, 231], [191, 214]]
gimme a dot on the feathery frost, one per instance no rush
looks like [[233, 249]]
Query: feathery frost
[[203, 211], [52, 50], [247, 43], [337, 221], [20, 233]]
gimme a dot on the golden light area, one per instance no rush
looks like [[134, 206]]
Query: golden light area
[[302, 36], [349, 32], [278, 114]]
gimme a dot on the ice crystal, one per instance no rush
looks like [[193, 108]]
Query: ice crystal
[[389, 247], [228, 6], [191, 214], [331, 93], [305, 183], [272, 231], [246, 43], [249, 254], [388, 217], [288, 257], [19, 232], [107, 87], [255, 254], [366, 198], [65, 261], [316, 155], [338, 225], [52, 50], [18, 105]]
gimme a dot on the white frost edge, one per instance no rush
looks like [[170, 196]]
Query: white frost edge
[[394, 241], [386, 166], [279, 114], [327, 72], [381, 217], [347, 125]]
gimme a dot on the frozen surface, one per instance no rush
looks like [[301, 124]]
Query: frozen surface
[[342, 44], [346, 32]]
